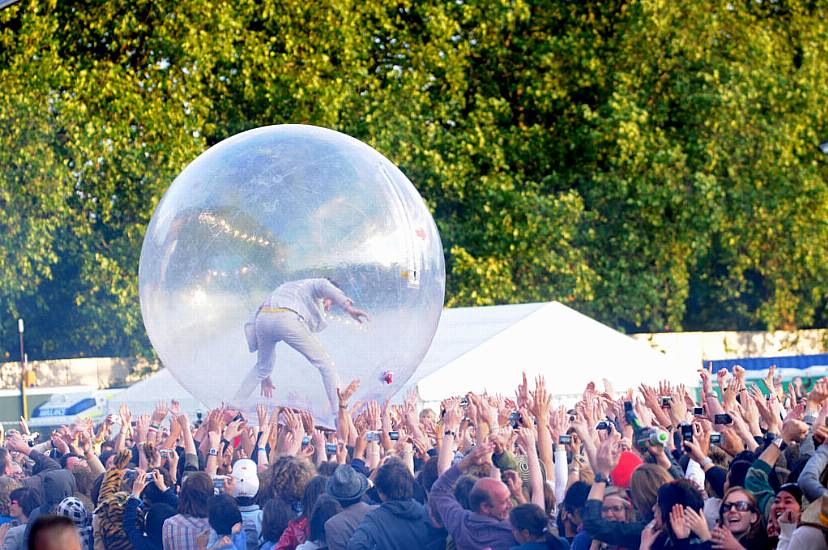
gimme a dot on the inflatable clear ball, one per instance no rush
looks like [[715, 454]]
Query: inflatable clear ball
[[257, 245]]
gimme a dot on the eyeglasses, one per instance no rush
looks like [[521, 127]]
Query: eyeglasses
[[741, 506], [617, 509]]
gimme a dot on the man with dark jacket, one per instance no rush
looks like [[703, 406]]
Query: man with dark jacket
[[42, 463], [400, 523], [348, 487]]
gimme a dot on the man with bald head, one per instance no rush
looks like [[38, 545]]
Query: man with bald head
[[487, 524]]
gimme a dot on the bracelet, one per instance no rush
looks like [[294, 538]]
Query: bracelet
[[155, 426], [707, 461], [261, 450]]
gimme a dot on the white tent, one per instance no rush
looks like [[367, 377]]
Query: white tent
[[487, 348], [161, 386]]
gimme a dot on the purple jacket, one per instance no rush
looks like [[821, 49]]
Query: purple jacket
[[470, 531]]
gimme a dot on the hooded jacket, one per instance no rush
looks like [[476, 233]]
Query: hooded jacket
[[395, 525]]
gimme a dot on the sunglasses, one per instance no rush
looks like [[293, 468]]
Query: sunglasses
[[741, 506]]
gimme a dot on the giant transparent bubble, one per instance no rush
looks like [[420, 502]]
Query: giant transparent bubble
[[282, 204]]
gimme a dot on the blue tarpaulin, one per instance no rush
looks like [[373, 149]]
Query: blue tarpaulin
[[801, 362]]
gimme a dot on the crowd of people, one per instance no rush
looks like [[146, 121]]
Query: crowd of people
[[732, 466]]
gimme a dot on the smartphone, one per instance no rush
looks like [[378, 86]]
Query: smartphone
[[603, 425], [514, 420], [218, 483], [130, 474], [628, 407], [564, 440], [306, 441], [722, 419], [666, 400], [165, 453], [394, 436], [372, 436], [687, 432], [715, 438], [239, 416], [464, 402], [698, 411], [330, 448]]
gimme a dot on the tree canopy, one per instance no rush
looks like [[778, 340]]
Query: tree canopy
[[653, 164]]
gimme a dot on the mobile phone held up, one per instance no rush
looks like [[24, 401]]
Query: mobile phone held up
[[723, 419]]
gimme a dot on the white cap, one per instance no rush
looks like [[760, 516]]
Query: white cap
[[247, 478]]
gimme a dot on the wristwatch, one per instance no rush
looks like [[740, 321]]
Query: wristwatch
[[599, 478], [779, 442], [213, 452], [449, 432]]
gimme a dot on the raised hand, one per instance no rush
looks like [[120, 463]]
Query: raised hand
[[139, 483], [453, 415], [142, 426], [292, 422], [697, 523], [261, 414], [346, 394], [24, 427], [233, 429], [608, 454], [706, 375], [374, 416], [126, 416], [307, 421], [678, 523], [515, 485], [540, 399], [723, 539], [522, 395], [160, 412], [481, 454], [267, 387], [525, 438]]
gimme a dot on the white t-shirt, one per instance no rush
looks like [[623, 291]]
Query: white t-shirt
[[305, 298]]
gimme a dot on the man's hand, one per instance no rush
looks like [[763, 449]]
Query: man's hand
[[158, 479], [540, 399], [451, 421], [160, 412], [515, 485], [526, 438], [346, 394], [479, 455], [15, 442], [357, 314], [608, 454], [261, 413], [267, 387], [139, 484], [794, 430]]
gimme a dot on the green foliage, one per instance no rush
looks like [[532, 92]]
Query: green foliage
[[651, 163]]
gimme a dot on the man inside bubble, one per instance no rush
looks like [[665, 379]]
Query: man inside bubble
[[292, 314]]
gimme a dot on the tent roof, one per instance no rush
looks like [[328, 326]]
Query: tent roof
[[161, 386], [490, 352]]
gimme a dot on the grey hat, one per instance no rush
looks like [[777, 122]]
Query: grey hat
[[346, 484]]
